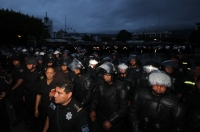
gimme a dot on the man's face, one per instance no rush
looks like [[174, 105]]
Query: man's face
[[196, 71], [169, 69], [133, 62], [61, 97], [30, 66], [107, 78], [77, 71], [49, 64], [57, 55], [64, 68], [198, 84], [50, 73], [40, 61], [159, 89], [16, 62], [175, 60]]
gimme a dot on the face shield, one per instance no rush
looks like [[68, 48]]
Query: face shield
[[149, 68], [75, 65]]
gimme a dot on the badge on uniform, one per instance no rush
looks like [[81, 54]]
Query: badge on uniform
[[69, 115], [21, 70], [85, 128], [52, 106], [41, 77]]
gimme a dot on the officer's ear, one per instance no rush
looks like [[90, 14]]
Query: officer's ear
[[69, 95]]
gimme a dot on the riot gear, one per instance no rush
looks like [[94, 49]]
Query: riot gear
[[122, 68], [106, 59], [31, 60], [108, 68], [159, 78], [151, 66], [76, 65]]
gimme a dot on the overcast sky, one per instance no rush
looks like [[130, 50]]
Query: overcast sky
[[111, 16]]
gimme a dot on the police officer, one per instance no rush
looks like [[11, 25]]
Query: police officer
[[93, 64], [192, 100], [129, 81], [42, 99], [170, 67], [109, 104], [66, 114], [115, 61], [184, 61], [17, 88], [83, 83], [155, 109], [4, 91], [188, 82], [40, 64], [31, 81], [149, 66], [182, 70], [63, 73], [57, 57], [135, 68]]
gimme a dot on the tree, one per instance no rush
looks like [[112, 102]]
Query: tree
[[16, 27], [124, 35]]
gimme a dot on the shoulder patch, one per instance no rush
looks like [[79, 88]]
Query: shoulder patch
[[169, 101], [77, 108], [85, 128], [21, 70]]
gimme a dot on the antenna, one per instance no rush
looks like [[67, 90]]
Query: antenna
[[65, 23]]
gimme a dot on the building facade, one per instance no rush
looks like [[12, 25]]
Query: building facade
[[48, 25]]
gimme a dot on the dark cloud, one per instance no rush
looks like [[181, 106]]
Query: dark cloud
[[108, 16]]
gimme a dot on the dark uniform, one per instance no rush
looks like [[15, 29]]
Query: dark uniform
[[110, 103], [83, 87], [18, 73], [4, 119], [69, 118], [44, 90], [31, 82], [192, 100], [83, 84], [151, 111]]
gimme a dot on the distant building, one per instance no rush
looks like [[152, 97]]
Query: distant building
[[197, 26], [48, 25], [165, 34]]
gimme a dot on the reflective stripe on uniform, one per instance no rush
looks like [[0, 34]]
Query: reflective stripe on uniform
[[189, 82], [184, 63]]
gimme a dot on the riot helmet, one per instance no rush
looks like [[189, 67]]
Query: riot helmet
[[93, 62], [168, 66], [106, 59], [150, 66], [158, 77], [107, 68], [31, 60], [122, 68], [76, 64]]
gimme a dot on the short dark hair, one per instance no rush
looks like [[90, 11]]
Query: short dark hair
[[65, 84], [50, 67]]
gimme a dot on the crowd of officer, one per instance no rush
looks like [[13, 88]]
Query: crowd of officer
[[56, 90]]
